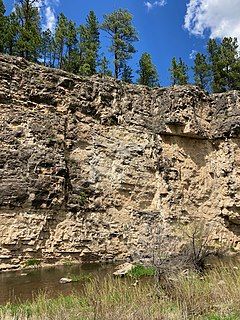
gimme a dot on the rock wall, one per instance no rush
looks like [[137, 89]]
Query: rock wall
[[89, 167]]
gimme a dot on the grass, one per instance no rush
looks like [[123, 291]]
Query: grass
[[80, 278], [214, 296], [139, 271]]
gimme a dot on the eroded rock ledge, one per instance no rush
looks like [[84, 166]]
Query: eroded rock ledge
[[89, 167]]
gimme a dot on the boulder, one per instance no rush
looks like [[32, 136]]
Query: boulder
[[65, 280], [123, 269]]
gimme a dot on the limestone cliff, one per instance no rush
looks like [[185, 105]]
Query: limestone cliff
[[90, 166]]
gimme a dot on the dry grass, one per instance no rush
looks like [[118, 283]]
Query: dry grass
[[214, 296], [216, 293]]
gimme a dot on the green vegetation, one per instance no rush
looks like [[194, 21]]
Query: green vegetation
[[178, 72], [28, 39], [224, 64], [82, 198], [214, 296], [32, 262], [147, 71], [2, 24], [141, 271], [80, 277], [89, 45], [77, 49], [202, 71], [118, 25]]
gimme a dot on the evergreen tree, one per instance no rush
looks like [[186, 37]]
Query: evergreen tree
[[178, 72], [89, 45], [147, 73], [71, 60], [229, 64], [225, 64], [201, 71], [213, 51], [2, 25], [104, 67], [11, 34], [127, 74], [60, 38], [29, 33], [47, 47], [119, 27], [174, 71]]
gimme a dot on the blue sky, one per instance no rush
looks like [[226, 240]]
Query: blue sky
[[166, 28]]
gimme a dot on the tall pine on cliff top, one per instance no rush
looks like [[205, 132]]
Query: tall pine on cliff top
[[201, 71], [178, 72], [89, 45], [225, 64], [118, 25], [11, 34], [2, 25], [213, 52], [147, 71], [29, 32], [60, 38], [47, 47], [229, 64], [71, 59]]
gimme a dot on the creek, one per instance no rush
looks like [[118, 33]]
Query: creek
[[20, 286]]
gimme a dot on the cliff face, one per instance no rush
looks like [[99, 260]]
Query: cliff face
[[90, 167]]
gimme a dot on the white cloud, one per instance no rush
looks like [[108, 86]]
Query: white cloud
[[49, 14], [192, 54], [220, 17], [151, 5], [50, 19]]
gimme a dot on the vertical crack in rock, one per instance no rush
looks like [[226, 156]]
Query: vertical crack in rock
[[67, 180]]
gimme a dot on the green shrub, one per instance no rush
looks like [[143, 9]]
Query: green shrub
[[141, 271], [32, 262]]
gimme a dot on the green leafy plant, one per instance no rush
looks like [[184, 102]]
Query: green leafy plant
[[33, 262]]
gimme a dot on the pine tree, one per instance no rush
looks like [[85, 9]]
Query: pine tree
[[202, 71], [118, 25], [47, 47], [214, 56], [174, 71], [89, 45], [29, 33], [11, 34], [2, 25], [60, 38], [104, 67], [147, 71], [229, 64], [183, 69], [127, 74], [178, 72], [71, 60], [225, 64]]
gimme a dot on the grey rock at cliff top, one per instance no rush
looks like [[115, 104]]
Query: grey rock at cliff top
[[89, 167]]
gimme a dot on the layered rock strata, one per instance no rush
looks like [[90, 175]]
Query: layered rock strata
[[89, 167]]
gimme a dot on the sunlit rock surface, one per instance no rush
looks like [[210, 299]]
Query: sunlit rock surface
[[90, 167]]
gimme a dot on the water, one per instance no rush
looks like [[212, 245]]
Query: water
[[20, 286]]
